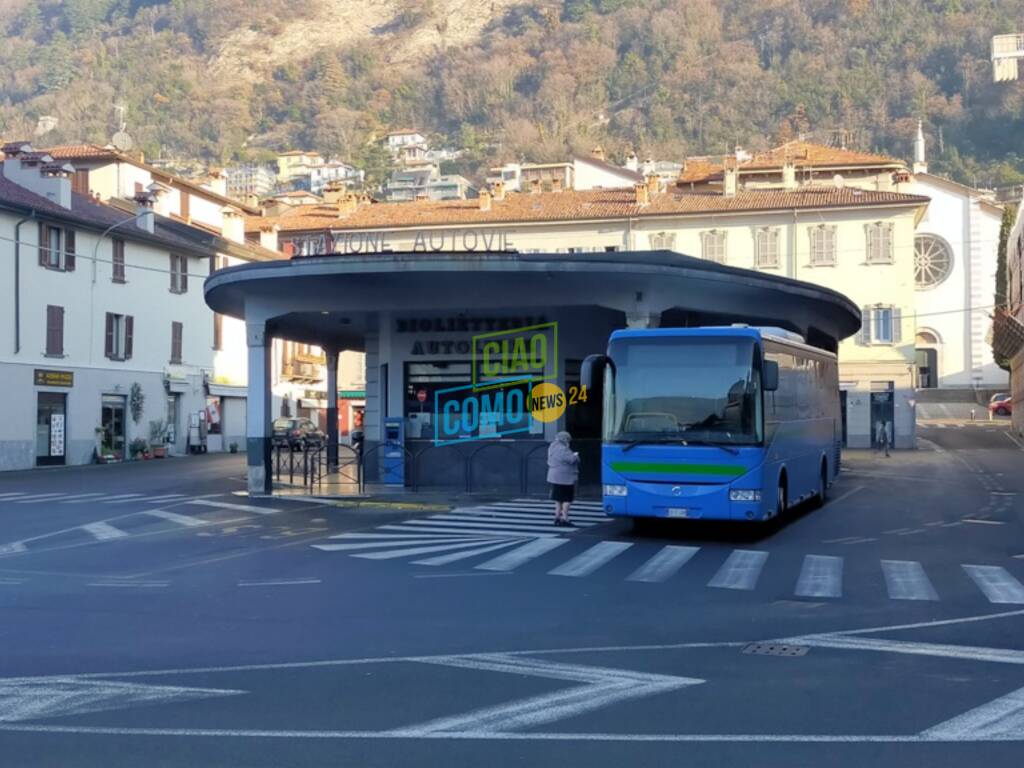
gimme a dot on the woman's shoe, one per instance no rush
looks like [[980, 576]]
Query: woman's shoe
[[568, 523]]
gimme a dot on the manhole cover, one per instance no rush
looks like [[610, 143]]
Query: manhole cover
[[775, 649]]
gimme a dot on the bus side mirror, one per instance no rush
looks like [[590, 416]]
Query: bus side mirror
[[770, 376], [592, 371]]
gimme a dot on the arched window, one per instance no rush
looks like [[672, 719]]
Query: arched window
[[933, 261]]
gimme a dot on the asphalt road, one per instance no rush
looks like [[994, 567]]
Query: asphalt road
[[152, 615]]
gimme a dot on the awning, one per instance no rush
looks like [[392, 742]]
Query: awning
[[178, 386], [227, 390], [305, 402]]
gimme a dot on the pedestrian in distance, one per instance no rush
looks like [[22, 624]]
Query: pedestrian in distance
[[563, 472], [882, 436]]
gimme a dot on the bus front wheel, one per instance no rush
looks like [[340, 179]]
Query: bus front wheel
[[781, 501]]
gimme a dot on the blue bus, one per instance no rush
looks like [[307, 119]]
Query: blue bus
[[722, 423]]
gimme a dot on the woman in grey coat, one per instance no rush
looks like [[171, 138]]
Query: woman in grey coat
[[563, 471]]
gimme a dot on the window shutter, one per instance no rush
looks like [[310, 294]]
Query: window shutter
[[218, 331], [129, 335], [865, 326], [44, 244], [54, 330], [185, 198], [897, 325], [175, 342], [173, 271], [69, 250], [60, 330], [108, 345], [183, 279]]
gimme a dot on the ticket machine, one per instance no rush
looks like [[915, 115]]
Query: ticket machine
[[393, 450]]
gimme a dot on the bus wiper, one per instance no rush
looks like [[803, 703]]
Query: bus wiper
[[728, 449], [648, 441]]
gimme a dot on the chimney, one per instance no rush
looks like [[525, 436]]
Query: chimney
[[498, 190], [598, 153], [632, 162], [38, 173], [161, 196], [334, 192], [920, 163], [789, 176], [556, 184], [145, 220], [268, 236], [730, 177], [484, 200], [653, 185], [218, 182], [232, 226], [535, 187], [641, 194], [648, 167]]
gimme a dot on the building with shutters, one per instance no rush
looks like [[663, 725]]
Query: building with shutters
[[104, 324], [299, 379], [858, 240]]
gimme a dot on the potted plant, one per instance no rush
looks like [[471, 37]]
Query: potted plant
[[233, 447], [137, 448], [158, 438]]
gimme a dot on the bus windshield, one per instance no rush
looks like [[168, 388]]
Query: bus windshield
[[704, 390]]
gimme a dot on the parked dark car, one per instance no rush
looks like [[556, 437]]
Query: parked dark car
[[297, 434]]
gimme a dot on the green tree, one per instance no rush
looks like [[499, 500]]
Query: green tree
[[1009, 216], [375, 161]]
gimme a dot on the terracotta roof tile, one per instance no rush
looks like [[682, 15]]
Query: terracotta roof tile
[[803, 154], [569, 206]]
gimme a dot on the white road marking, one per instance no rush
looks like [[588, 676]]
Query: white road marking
[[5, 582], [820, 576], [46, 698], [664, 565], [186, 520], [236, 507], [740, 571], [398, 541], [37, 498], [983, 522], [68, 499], [509, 561], [102, 531], [547, 511], [591, 559], [150, 499], [131, 584], [463, 514], [13, 493], [1000, 719], [456, 556], [884, 645], [278, 582], [14, 548], [601, 687], [392, 554], [845, 496], [906, 580], [502, 532], [997, 583], [446, 521], [105, 499]]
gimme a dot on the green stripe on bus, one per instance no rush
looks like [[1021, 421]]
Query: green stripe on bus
[[665, 467]]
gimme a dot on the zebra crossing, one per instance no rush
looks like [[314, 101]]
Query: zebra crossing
[[189, 513], [24, 497], [482, 538]]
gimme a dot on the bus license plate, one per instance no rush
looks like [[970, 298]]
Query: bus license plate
[[678, 512]]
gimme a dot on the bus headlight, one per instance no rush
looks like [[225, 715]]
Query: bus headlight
[[738, 495], [615, 490]]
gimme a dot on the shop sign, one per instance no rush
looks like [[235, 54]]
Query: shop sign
[[463, 324], [424, 241], [45, 378], [351, 394]]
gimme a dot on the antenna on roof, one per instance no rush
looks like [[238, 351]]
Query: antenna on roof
[[121, 140]]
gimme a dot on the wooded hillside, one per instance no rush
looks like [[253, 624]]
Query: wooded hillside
[[226, 79]]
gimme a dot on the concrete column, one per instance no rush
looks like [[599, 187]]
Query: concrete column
[[332, 407], [643, 319], [258, 422]]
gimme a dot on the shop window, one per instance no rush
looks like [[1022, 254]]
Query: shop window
[[214, 415]]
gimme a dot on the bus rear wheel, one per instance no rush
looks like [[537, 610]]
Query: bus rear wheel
[[822, 495], [781, 502]]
